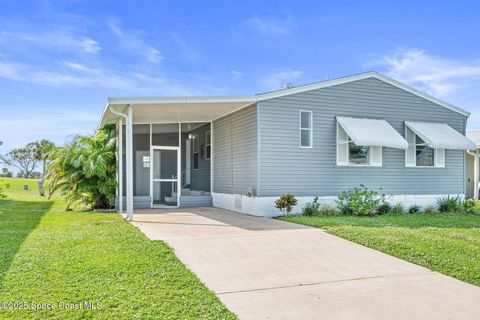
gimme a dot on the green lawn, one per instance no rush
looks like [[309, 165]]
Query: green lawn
[[449, 244], [49, 256]]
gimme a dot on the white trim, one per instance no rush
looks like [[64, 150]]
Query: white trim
[[356, 77], [309, 129], [211, 157], [120, 164], [177, 180]]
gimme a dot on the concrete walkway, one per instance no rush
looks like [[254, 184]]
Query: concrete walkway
[[269, 269]]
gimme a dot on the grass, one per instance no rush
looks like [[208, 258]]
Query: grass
[[447, 243], [49, 256]]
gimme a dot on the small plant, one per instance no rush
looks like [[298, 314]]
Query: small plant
[[449, 204], [2, 188], [312, 208], [328, 210], [285, 203], [469, 206], [398, 209], [430, 210], [359, 201], [414, 209], [384, 208]]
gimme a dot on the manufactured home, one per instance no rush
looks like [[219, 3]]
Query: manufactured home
[[242, 152]]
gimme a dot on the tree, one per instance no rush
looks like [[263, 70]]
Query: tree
[[25, 159], [6, 173], [84, 170], [43, 150]]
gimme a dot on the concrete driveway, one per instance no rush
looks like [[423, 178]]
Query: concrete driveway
[[268, 269]]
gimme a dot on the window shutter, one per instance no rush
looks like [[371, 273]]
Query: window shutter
[[342, 146], [376, 156], [439, 158], [410, 157]]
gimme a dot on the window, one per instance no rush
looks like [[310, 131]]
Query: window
[[196, 147], [208, 149], [306, 129], [423, 153], [357, 154], [419, 154], [349, 154]]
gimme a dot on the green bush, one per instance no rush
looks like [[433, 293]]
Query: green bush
[[312, 208], [84, 170], [430, 210], [2, 188], [414, 209], [450, 204], [384, 208], [359, 201], [285, 203], [328, 210], [469, 206], [398, 209]]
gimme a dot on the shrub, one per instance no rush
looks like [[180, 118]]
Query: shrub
[[414, 209], [430, 210], [328, 210], [84, 170], [2, 188], [359, 201], [397, 209], [285, 203], [469, 206], [312, 208], [449, 204], [384, 208]]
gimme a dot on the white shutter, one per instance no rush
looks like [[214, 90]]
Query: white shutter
[[375, 156], [410, 157], [342, 146], [439, 158]]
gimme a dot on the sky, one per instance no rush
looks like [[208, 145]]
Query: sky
[[61, 60]]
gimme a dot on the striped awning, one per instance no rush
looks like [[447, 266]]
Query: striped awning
[[441, 136], [372, 133]]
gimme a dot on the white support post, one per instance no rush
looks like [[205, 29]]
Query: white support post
[[129, 163], [475, 174], [179, 165], [120, 165]]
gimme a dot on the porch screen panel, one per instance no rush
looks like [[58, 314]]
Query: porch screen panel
[[141, 158], [165, 134]]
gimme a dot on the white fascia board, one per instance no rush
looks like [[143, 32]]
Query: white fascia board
[[361, 76], [160, 100]]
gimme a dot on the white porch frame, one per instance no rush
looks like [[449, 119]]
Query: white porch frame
[[177, 180]]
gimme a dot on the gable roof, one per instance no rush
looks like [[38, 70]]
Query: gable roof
[[237, 102], [356, 77]]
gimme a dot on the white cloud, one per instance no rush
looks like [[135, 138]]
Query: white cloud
[[133, 40], [277, 80], [236, 75], [437, 75], [59, 38], [271, 25]]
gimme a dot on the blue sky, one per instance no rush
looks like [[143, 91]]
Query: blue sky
[[60, 60]]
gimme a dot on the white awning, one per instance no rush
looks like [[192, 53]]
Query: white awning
[[372, 133], [441, 136]]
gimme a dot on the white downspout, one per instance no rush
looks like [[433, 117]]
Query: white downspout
[[120, 164], [129, 153], [476, 176]]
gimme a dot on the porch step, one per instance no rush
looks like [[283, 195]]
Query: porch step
[[195, 201]]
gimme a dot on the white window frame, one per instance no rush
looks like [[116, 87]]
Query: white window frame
[[347, 150], [304, 129], [435, 154], [208, 137]]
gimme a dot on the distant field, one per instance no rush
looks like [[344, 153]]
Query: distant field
[[16, 190]]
